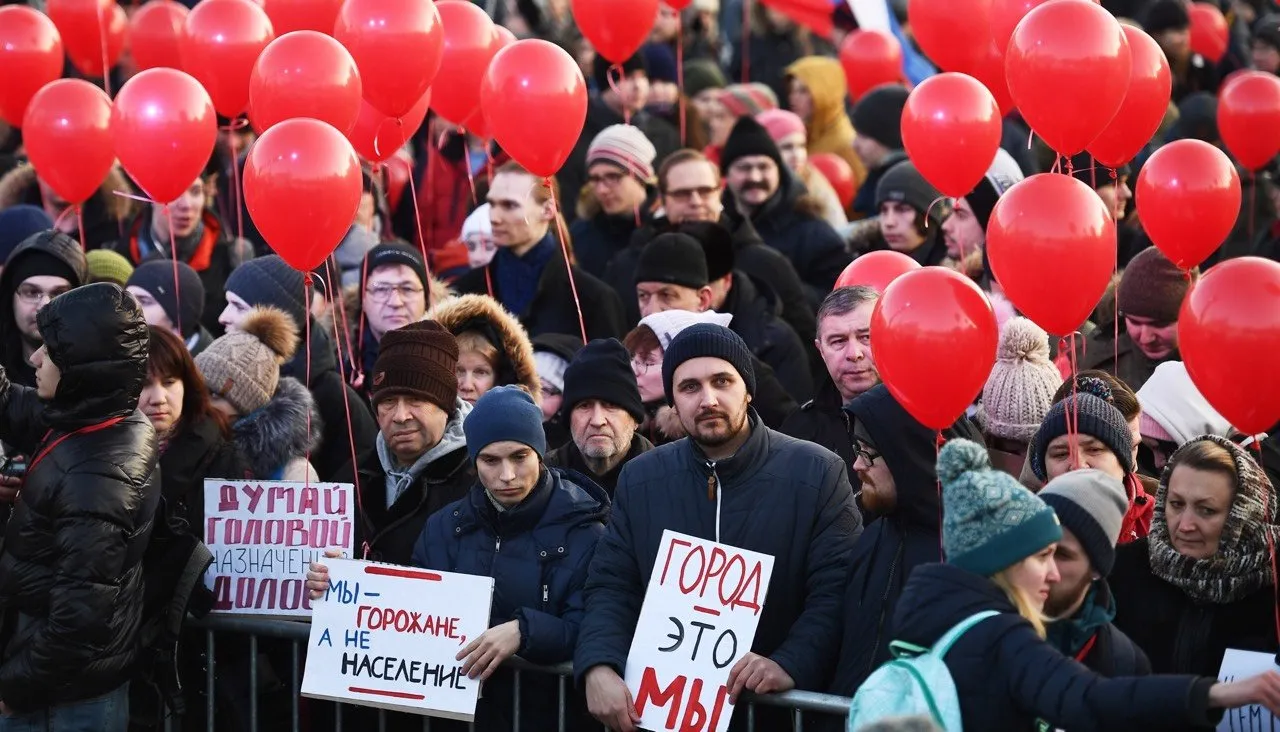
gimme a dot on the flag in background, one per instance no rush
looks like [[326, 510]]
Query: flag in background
[[877, 15]]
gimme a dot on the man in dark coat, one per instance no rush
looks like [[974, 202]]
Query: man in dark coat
[[735, 481], [42, 267], [603, 409], [1090, 505], [877, 116], [71, 567], [419, 463]]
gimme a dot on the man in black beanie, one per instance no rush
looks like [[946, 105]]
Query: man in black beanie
[[910, 212], [761, 189], [877, 117], [172, 300], [602, 407], [672, 275], [721, 483], [42, 267]]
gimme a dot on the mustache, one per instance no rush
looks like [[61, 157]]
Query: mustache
[[758, 186], [865, 478], [710, 413]]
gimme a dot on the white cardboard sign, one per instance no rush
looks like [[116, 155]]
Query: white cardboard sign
[[263, 534], [387, 636], [699, 617], [1237, 665]]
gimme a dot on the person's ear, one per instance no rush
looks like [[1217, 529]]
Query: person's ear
[[705, 298]]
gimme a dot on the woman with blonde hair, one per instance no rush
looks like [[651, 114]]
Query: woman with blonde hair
[[493, 348], [999, 540]]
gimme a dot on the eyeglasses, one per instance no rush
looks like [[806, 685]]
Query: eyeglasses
[[609, 179], [382, 293], [686, 194], [32, 295], [861, 449], [642, 367]]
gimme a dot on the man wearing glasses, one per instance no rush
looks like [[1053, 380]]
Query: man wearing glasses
[[394, 294]]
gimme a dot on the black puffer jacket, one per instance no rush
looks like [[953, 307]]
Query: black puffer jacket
[[70, 569]]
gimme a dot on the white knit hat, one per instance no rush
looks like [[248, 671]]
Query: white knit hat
[[668, 323], [627, 147], [1020, 389], [1174, 409]]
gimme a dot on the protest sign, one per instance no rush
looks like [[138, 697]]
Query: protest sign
[[699, 617], [1237, 665], [387, 636], [263, 534]]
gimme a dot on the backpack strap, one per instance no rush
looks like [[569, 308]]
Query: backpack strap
[[949, 638]]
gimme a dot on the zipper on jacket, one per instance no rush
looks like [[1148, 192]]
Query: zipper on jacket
[[713, 493], [546, 596], [884, 609], [497, 546]]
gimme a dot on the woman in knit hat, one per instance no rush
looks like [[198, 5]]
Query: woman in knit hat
[[787, 130], [999, 541], [274, 420], [493, 348], [1018, 393], [1202, 581], [646, 344]]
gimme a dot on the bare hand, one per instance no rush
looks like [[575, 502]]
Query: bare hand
[[1263, 689], [9, 490], [318, 576], [757, 674], [609, 700], [483, 655]]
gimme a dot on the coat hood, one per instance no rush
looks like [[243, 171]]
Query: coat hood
[[910, 450], [67, 250], [98, 339], [483, 313], [827, 87], [937, 596], [20, 186], [272, 436]]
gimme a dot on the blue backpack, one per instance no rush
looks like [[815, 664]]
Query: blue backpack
[[915, 683]]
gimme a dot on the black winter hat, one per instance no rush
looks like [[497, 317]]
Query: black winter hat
[[1267, 30], [1094, 174], [1163, 15], [396, 252], [183, 307], [717, 245], [904, 184], [878, 115], [602, 370], [600, 69], [708, 339], [748, 137], [271, 281], [1098, 418], [674, 259]]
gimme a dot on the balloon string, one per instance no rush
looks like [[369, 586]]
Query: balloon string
[[306, 343], [237, 190], [568, 265], [357, 363], [471, 181], [417, 212], [1093, 176], [336, 298], [102, 46], [84, 245], [937, 450], [346, 406], [680, 75], [1073, 414], [1253, 205], [173, 251], [614, 77], [488, 161], [746, 41]]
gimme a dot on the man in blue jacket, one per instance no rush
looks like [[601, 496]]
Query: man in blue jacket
[[735, 481]]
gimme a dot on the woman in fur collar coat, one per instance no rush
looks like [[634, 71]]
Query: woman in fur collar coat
[[493, 348]]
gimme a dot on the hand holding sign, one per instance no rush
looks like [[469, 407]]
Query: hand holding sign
[[1260, 687]]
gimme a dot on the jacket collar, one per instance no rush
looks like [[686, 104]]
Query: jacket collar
[[744, 463], [1072, 634]]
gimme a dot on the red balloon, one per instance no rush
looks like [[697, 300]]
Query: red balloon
[[164, 127], [1249, 117], [476, 124], [304, 74], [951, 131], [67, 134], [876, 269], [398, 45], [1209, 32], [1144, 105], [677, 5], [31, 56], [83, 25], [302, 170], [952, 33], [1052, 246], [990, 71], [931, 316], [1188, 198], [469, 45], [1005, 15], [838, 173], [1229, 338], [288, 16], [615, 28], [534, 101], [1068, 69], [222, 39], [155, 34], [870, 58], [377, 137]]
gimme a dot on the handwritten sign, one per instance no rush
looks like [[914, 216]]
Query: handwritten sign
[[1238, 665], [387, 636], [699, 617], [264, 534]]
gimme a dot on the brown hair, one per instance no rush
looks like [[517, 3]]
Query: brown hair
[[1208, 456], [169, 358], [680, 157], [642, 341], [473, 341], [1122, 397], [542, 193]]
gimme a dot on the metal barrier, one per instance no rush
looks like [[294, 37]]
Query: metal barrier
[[218, 630]]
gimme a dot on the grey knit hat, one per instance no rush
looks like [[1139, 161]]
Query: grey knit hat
[[1091, 505], [904, 184], [1019, 391], [708, 339], [1097, 417]]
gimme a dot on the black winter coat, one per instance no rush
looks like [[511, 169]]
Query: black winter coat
[[1090, 638], [823, 421], [1007, 677], [1182, 636], [596, 240], [778, 496], [755, 318], [333, 456], [570, 457], [196, 452], [70, 568]]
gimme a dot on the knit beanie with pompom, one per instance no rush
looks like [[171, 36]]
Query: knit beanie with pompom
[[1095, 414], [244, 367], [1020, 389], [989, 520]]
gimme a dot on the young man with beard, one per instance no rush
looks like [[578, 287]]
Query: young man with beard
[[1090, 505], [734, 481]]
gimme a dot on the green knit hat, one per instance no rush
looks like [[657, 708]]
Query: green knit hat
[[989, 521]]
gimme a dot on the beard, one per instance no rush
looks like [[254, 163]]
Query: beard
[[714, 434], [1061, 597]]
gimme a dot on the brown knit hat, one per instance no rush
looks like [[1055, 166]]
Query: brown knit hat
[[419, 359], [1152, 287], [244, 367]]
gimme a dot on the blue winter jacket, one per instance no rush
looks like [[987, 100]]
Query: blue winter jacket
[[1007, 677], [778, 496]]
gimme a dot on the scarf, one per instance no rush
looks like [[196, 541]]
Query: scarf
[[1071, 635], [400, 479], [1242, 564], [518, 277], [186, 244]]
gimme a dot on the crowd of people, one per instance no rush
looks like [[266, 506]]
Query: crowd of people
[[655, 341]]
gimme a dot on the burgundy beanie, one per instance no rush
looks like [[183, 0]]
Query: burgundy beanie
[[1152, 287], [419, 359]]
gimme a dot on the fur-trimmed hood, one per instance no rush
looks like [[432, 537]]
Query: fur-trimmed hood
[[276, 435], [483, 313], [19, 186]]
